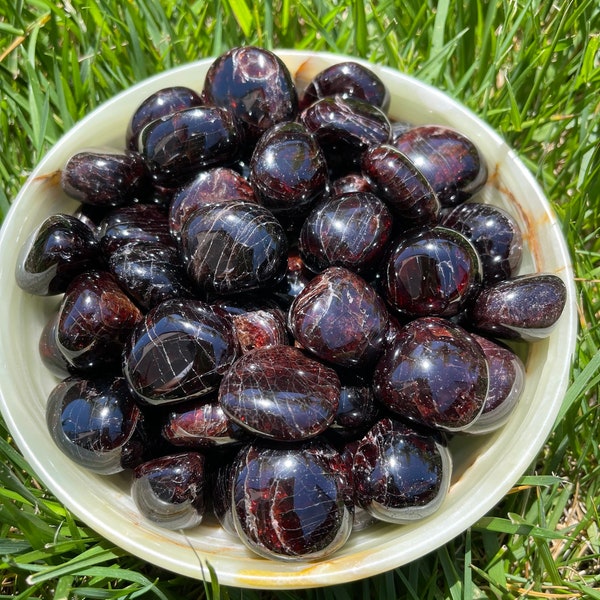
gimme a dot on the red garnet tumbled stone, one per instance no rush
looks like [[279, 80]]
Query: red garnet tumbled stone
[[340, 318], [451, 162], [434, 373], [432, 272], [291, 502], [95, 320], [255, 85], [350, 230], [277, 392]]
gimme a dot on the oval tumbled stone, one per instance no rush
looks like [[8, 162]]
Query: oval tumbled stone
[[279, 393], [526, 307]]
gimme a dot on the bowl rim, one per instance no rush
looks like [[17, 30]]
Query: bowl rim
[[364, 561]]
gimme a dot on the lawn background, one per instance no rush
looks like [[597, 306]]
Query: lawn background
[[531, 69]]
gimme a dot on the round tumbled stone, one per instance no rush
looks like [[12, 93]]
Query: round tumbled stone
[[340, 318], [433, 373]]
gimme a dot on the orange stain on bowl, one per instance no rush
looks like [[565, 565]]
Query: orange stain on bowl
[[530, 227]]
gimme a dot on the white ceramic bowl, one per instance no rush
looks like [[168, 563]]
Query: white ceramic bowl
[[485, 466]]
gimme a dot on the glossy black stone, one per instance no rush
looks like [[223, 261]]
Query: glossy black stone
[[231, 247], [159, 104], [526, 307], [434, 374], [150, 272], [58, 250], [102, 178], [135, 223], [255, 85], [179, 351], [495, 234], [291, 503], [176, 147], [91, 421]]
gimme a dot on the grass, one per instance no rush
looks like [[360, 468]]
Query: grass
[[531, 68]]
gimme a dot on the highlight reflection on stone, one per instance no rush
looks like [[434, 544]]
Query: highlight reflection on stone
[[434, 373], [277, 392], [340, 318], [400, 475], [291, 503]]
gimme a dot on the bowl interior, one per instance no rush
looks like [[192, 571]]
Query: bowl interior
[[485, 466]]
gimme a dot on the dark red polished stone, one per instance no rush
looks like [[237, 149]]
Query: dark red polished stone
[[171, 490], [179, 351], [91, 420], [434, 271], [279, 393], [212, 185], [159, 104], [357, 408], [199, 424], [58, 250], [347, 184], [288, 171], [296, 277], [221, 496], [233, 246], [52, 357], [95, 321], [340, 318], [450, 161], [350, 80], [255, 85], [350, 230], [495, 235], [105, 178], [260, 329], [400, 475], [507, 380], [398, 182], [525, 307], [434, 374], [291, 503]]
